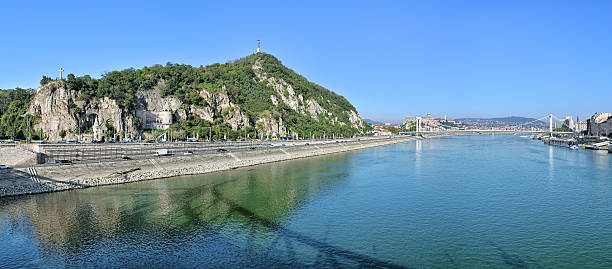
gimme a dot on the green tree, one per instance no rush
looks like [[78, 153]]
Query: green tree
[[138, 123], [45, 80]]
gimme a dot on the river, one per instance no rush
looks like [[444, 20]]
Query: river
[[454, 202]]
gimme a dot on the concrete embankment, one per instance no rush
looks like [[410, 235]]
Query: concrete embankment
[[14, 156], [50, 178]]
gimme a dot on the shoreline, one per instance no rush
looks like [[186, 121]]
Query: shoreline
[[44, 179]]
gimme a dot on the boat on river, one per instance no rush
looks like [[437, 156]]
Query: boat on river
[[562, 142]]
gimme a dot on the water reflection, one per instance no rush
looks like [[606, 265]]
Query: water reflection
[[418, 151], [242, 210], [551, 163], [601, 158]]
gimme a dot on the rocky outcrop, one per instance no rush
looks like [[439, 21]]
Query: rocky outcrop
[[236, 119], [356, 121], [206, 113], [219, 104], [272, 127], [60, 110], [51, 105], [155, 111], [314, 109]]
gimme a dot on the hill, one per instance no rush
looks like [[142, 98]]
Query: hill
[[511, 119], [255, 96], [369, 121], [502, 121]]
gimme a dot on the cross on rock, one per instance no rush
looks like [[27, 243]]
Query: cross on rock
[[61, 71]]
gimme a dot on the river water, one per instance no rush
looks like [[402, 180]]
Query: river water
[[455, 202]]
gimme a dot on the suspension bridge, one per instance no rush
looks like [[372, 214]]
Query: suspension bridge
[[519, 128]]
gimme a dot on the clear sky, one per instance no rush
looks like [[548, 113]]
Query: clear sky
[[389, 58]]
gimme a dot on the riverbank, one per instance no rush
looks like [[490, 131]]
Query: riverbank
[[51, 178]]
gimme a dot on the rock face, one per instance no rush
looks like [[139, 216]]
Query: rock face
[[219, 104], [272, 127], [64, 113], [155, 111], [51, 103]]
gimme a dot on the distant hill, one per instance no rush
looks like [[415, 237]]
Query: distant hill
[[369, 121], [394, 123], [504, 121], [511, 119]]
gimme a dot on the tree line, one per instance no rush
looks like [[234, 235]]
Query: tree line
[[13, 106]]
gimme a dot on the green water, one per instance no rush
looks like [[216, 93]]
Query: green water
[[458, 202]]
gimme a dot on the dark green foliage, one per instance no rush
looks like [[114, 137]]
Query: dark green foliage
[[448, 123], [87, 85], [72, 107], [13, 105], [138, 123], [45, 80], [118, 85], [110, 132], [561, 129]]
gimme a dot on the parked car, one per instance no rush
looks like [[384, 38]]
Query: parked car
[[161, 152]]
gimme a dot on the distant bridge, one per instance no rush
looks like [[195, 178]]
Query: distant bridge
[[488, 131], [549, 131]]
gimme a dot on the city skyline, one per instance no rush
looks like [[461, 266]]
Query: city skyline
[[389, 60]]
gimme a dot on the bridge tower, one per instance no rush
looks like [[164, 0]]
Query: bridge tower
[[550, 124]]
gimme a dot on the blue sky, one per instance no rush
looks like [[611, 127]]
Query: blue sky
[[389, 58]]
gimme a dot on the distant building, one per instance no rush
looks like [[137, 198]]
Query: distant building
[[378, 128], [600, 124], [567, 123], [580, 126]]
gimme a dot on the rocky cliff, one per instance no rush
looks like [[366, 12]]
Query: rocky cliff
[[59, 111], [256, 96]]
